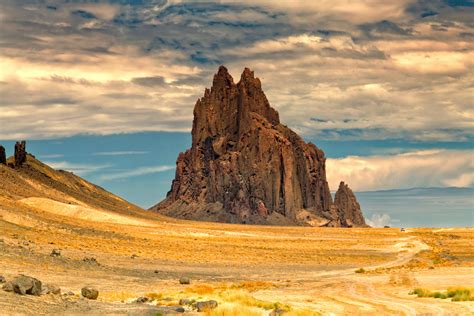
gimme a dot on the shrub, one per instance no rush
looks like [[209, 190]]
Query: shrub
[[457, 294], [460, 294]]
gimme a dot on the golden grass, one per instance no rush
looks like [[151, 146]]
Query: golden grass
[[201, 289], [244, 298], [121, 296], [233, 310]]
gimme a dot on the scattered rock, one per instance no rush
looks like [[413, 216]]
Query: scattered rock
[[2, 279], [278, 312], [91, 260], [134, 256], [205, 306], [8, 287], [51, 289], [142, 300], [184, 280], [156, 271], [90, 293], [23, 284], [55, 253], [180, 309]]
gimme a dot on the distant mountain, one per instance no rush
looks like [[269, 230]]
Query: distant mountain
[[421, 207]]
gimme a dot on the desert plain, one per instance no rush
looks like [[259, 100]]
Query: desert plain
[[247, 269]]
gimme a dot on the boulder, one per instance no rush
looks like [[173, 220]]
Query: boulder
[[23, 284], [142, 299], [244, 166], [90, 293], [55, 253], [51, 289], [2, 279], [184, 280], [8, 287], [205, 306]]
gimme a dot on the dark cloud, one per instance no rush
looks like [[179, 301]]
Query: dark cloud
[[150, 81], [83, 14], [385, 27]]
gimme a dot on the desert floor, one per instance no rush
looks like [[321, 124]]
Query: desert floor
[[249, 270]]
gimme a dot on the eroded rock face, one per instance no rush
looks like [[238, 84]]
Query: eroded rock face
[[348, 209], [3, 156], [244, 166], [20, 153]]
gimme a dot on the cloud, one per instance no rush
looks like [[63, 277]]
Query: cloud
[[119, 153], [425, 168], [136, 172], [371, 69], [379, 220], [77, 168]]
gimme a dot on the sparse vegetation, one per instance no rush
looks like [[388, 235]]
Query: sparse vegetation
[[456, 294]]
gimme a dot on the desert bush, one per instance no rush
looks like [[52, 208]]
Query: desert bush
[[459, 294]]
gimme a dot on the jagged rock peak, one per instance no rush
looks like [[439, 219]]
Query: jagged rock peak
[[20, 153], [3, 156], [246, 167], [347, 206]]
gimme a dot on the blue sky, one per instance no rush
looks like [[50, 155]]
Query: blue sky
[[383, 87]]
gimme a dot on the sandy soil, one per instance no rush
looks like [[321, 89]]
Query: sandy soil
[[245, 268]]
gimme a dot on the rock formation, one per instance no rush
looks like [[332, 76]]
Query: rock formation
[[348, 209], [20, 153], [3, 156], [244, 166]]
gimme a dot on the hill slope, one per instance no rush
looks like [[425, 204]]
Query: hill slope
[[36, 185]]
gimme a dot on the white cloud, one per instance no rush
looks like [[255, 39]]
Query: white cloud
[[119, 153], [77, 168], [427, 168], [137, 172], [379, 220]]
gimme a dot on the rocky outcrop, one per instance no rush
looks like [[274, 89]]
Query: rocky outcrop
[[244, 166], [20, 153], [3, 156], [348, 209]]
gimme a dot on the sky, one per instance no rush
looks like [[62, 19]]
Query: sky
[[106, 88]]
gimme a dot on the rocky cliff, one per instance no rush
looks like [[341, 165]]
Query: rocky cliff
[[244, 166]]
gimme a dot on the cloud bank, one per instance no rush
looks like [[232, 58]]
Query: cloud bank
[[334, 69], [426, 168]]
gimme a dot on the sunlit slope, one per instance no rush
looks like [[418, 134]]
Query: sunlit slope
[[37, 180]]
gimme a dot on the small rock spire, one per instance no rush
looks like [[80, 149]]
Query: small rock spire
[[3, 157], [20, 153]]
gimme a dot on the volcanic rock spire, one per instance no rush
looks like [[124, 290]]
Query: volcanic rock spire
[[3, 157], [244, 166]]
